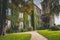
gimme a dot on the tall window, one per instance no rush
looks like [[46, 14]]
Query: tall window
[[29, 17], [21, 25], [59, 2], [29, 24], [8, 23], [20, 5], [25, 0], [21, 15], [8, 11], [10, 1]]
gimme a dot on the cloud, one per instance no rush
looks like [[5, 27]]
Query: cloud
[[37, 2]]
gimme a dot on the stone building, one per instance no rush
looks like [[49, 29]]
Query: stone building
[[48, 8]]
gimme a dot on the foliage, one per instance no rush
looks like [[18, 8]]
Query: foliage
[[55, 28], [16, 37], [12, 29], [51, 35], [54, 6], [14, 17], [26, 8], [25, 30], [26, 21], [35, 18], [45, 21], [28, 29], [21, 30]]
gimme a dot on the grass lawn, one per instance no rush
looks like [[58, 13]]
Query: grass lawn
[[16, 37], [51, 35]]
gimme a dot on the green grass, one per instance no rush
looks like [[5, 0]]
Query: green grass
[[51, 35], [16, 37]]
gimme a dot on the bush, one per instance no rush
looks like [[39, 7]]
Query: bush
[[55, 28], [30, 28], [42, 28], [38, 28], [9, 30], [15, 29], [24, 30], [12, 29], [21, 30]]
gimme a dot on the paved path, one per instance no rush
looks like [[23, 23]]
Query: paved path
[[35, 35]]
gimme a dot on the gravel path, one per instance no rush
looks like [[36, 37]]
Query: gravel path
[[35, 35]]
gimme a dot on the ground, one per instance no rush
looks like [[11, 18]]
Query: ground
[[16, 37], [35, 35], [51, 35]]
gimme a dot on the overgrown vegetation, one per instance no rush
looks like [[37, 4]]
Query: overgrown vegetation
[[25, 8], [55, 28]]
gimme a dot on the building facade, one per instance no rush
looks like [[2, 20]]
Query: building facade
[[48, 8], [17, 15]]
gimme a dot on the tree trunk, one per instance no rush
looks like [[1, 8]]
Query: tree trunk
[[3, 18], [51, 21], [32, 20]]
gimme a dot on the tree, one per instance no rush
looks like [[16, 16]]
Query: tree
[[51, 8], [3, 17]]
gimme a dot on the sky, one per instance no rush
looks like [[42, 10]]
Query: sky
[[57, 20], [38, 3]]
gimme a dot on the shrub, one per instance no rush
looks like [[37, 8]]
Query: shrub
[[38, 28], [9, 30], [24, 30], [12, 29], [55, 28], [30, 28], [21, 30]]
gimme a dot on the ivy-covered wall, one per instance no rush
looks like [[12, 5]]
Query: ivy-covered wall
[[35, 18], [26, 20]]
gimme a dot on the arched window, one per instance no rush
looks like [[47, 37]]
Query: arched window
[[21, 25], [8, 11], [21, 15]]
